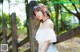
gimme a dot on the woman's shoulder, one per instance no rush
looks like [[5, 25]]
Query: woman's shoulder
[[49, 21]]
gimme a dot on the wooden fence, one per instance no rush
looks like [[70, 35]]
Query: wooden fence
[[4, 38]]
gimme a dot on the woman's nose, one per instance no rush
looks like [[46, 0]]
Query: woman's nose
[[38, 15]]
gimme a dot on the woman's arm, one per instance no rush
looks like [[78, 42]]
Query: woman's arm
[[46, 45]]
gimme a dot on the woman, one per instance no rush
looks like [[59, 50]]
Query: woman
[[45, 34]]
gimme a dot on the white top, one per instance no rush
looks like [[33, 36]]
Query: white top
[[45, 32]]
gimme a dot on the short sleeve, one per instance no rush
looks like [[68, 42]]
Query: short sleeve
[[46, 35], [52, 37], [46, 32], [50, 24]]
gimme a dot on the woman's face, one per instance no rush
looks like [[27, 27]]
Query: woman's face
[[39, 15]]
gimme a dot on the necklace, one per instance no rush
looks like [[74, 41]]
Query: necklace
[[45, 20]]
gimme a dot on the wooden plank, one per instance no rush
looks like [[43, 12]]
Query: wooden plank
[[25, 40], [1, 38], [9, 43], [14, 33], [9, 35], [1, 33]]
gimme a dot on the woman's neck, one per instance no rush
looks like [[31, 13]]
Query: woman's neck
[[44, 19]]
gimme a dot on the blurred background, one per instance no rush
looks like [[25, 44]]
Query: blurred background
[[65, 15]]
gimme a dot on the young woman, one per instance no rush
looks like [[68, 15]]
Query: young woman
[[45, 34]]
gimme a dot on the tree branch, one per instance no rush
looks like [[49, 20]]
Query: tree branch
[[74, 6], [68, 35], [68, 10]]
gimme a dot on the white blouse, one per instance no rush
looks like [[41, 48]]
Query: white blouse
[[45, 32]]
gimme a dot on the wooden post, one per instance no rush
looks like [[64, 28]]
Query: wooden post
[[4, 26], [4, 29], [14, 33]]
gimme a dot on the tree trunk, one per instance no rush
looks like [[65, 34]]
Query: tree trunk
[[68, 35], [78, 16], [62, 23], [56, 6], [31, 26]]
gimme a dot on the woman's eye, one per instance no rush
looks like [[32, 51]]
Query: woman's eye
[[37, 14]]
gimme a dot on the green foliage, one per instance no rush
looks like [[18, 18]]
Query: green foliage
[[65, 1], [18, 21], [64, 15], [8, 21], [25, 23]]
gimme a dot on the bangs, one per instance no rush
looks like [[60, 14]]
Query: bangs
[[36, 8]]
